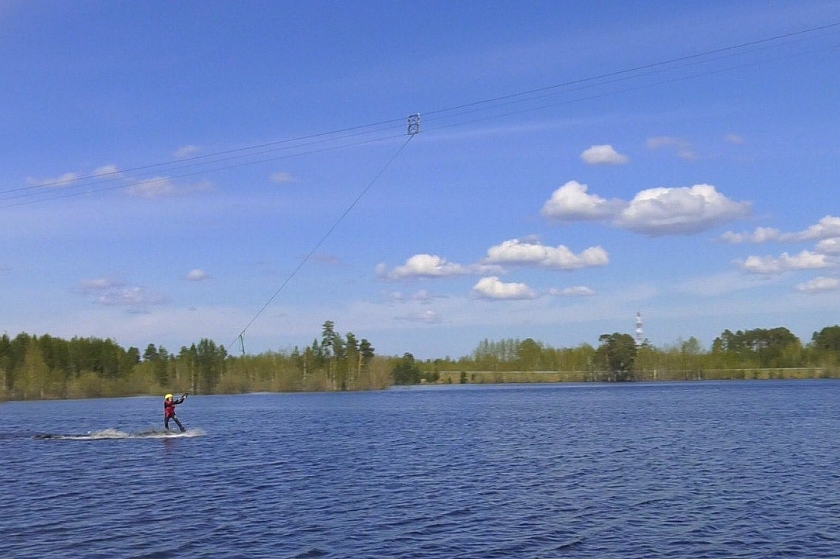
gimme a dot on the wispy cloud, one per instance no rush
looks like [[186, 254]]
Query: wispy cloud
[[185, 152], [771, 265], [718, 284], [100, 173], [106, 171], [163, 187], [760, 235], [682, 148], [819, 285], [827, 228], [197, 274], [573, 291], [421, 296], [111, 293], [281, 177], [423, 317], [62, 180]]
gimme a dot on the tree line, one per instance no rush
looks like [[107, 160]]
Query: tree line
[[756, 353], [46, 367]]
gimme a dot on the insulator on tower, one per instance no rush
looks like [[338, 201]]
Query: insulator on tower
[[413, 124]]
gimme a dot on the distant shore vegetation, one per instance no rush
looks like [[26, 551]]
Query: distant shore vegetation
[[34, 367]]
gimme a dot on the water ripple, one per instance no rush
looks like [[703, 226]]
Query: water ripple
[[700, 470]]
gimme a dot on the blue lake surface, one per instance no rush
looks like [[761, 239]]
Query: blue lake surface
[[716, 469]]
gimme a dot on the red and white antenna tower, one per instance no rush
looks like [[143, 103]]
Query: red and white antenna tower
[[639, 335]]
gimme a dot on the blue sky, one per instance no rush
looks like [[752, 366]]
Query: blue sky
[[182, 170]]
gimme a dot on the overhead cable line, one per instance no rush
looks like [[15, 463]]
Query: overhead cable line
[[636, 69], [345, 137], [197, 159], [592, 96], [116, 179], [152, 180], [413, 129]]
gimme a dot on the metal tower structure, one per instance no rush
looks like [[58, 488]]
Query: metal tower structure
[[413, 124]]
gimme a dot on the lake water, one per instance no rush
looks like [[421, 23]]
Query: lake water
[[728, 469]]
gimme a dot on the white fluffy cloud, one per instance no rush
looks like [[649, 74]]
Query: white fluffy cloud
[[819, 285], [509, 253], [493, 288], [518, 253], [654, 212], [571, 202], [827, 227], [603, 155], [670, 211], [425, 266], [769, 265], [829, 246]]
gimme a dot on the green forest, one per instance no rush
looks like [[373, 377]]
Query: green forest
[[45, 367]]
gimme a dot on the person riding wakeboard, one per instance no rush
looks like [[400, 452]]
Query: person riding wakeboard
[[169, 410]]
